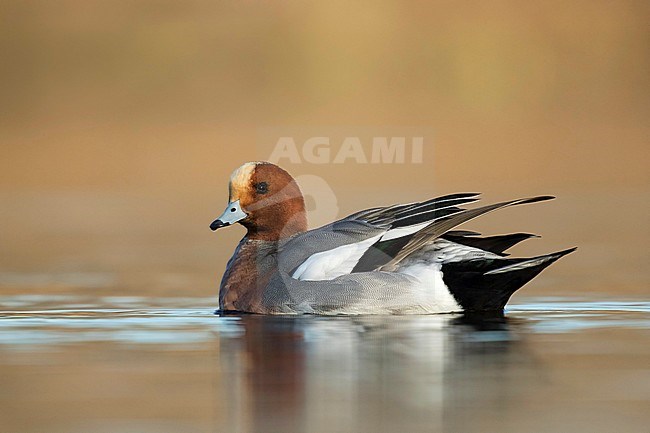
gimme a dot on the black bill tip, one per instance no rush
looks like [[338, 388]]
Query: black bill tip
[[217, 224]]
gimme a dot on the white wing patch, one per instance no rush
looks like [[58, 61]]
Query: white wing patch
[[333, 263]]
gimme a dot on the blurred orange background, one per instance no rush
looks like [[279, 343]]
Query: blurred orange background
[[121, 122]]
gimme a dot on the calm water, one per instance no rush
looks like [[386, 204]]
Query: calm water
[[129, 364]]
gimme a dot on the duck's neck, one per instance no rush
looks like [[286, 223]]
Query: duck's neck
[[278, 221]]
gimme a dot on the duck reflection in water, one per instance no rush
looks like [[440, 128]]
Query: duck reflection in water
[[371, 373]]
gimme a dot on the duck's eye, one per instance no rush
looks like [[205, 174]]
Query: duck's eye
[[261, 188]]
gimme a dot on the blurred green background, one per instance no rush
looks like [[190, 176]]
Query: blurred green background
[[120, 122]]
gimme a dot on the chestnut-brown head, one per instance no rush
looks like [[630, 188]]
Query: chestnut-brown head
[[266, 200]]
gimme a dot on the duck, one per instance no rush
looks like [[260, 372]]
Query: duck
[[397, 259]]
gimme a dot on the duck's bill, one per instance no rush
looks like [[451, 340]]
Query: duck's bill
[[231, 215]]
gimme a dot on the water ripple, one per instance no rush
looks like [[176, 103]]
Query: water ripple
[[29, 321]]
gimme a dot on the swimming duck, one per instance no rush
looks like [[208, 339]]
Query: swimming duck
[[400, 259]]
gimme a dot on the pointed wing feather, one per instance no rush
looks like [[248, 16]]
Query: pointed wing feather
[[395, 212], [494, 244], [439, 227]]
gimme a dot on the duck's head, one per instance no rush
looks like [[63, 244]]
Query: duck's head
[[266, 200]]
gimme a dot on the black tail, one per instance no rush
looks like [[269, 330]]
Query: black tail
[[487, 285]]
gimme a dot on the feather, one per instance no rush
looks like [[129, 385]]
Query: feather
[[440, 227], [493, 244]]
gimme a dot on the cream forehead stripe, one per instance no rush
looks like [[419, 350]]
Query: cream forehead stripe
[[240, 179]]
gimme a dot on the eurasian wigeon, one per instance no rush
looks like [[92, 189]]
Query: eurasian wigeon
[[400, 259]]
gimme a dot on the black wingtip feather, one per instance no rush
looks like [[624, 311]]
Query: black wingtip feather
[[536, 199], [563, 253], [495, 244]]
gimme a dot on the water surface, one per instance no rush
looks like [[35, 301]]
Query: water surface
[[139, 364]]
